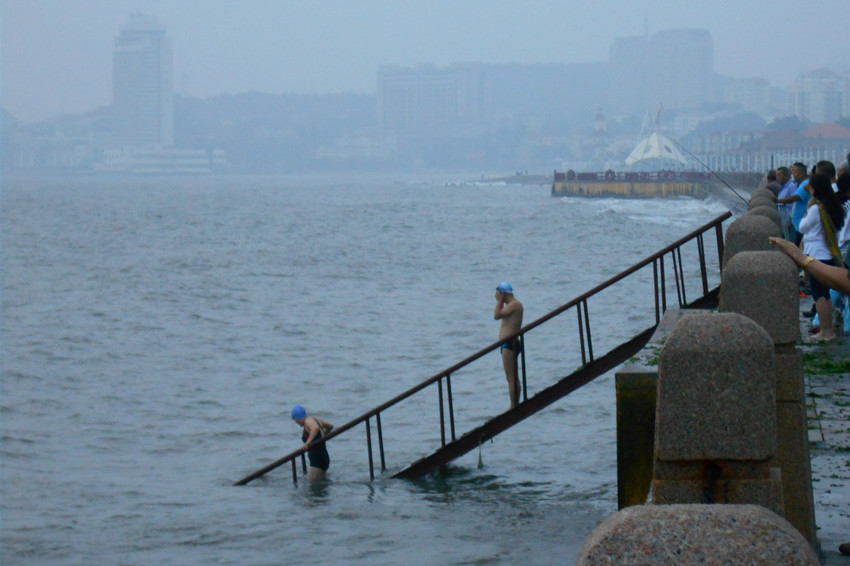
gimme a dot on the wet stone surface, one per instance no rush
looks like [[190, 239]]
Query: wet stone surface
[[827, 371]]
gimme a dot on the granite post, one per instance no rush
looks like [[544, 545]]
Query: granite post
[[636, 384], [768, 212], [763, 287], [715, 431], [749, 233], [688, 535], [762, 192], [761, 201]]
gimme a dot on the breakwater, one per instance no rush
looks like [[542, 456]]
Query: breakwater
[[696, 184]]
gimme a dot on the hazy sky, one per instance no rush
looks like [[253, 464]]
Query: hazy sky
[[56, 55]]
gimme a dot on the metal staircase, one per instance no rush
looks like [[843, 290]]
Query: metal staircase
[[590, 368]]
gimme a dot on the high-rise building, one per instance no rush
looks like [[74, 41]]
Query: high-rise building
[[628, 65], [682, 70], [466, 100], [844, 87], [751, 94], [673, 69], [143, 106], [426, 100], [819, 96]]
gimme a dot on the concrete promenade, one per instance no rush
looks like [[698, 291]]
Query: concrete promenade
[[827, 376]]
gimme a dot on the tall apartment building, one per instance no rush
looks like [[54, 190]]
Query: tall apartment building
[[751, 94], [142, 95], [465, 100], [682, 71], [673, 69], [425, 100], [844, 86], [819, 96], [628, 64]]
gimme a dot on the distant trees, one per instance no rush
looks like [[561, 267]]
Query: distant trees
[[789, 124], [740, 122]]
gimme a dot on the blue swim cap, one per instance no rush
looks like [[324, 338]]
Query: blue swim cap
[[505, 287], [298, 412]]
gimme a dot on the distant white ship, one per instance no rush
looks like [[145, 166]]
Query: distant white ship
[[162, 161]]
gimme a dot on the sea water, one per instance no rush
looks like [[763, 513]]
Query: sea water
[[156, 333]]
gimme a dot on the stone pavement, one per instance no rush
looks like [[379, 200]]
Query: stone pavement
[[827, 369]]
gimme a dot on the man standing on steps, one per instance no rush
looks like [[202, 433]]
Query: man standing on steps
[[509, 311]]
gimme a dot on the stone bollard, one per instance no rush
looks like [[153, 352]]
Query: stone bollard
[[715, 432], [687, 535], [761, 201], [749, 233], [768, 212], [636, 384], [763, 287], [765, 193]]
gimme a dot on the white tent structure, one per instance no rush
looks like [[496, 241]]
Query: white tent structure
[[657, 147]]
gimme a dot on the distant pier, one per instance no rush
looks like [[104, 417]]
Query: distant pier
[[631, 184]]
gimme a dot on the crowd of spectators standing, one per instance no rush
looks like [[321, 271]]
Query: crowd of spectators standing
[[814, 208]]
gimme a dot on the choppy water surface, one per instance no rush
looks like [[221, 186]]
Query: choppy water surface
[[156, 332]]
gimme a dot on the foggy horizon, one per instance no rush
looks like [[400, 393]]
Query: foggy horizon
[[57, 55]]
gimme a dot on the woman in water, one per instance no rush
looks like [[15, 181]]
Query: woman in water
[[314, 429]]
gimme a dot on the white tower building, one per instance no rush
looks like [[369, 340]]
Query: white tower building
[[819, 96], [142, 95]]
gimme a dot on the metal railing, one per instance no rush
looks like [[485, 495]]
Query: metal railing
[[580, 303]]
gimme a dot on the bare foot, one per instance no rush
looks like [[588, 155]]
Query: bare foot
[[819, 338]]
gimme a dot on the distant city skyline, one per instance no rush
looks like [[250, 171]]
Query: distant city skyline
[[55, 55]]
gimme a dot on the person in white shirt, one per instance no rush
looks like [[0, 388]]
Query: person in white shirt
[[819, 238]]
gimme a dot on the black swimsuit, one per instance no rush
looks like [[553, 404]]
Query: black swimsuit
[[318, 455], [514, 346]]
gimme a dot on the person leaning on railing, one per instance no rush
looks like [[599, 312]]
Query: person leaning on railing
[[834, 277]]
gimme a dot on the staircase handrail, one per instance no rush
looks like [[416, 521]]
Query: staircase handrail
[[375, 412]]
